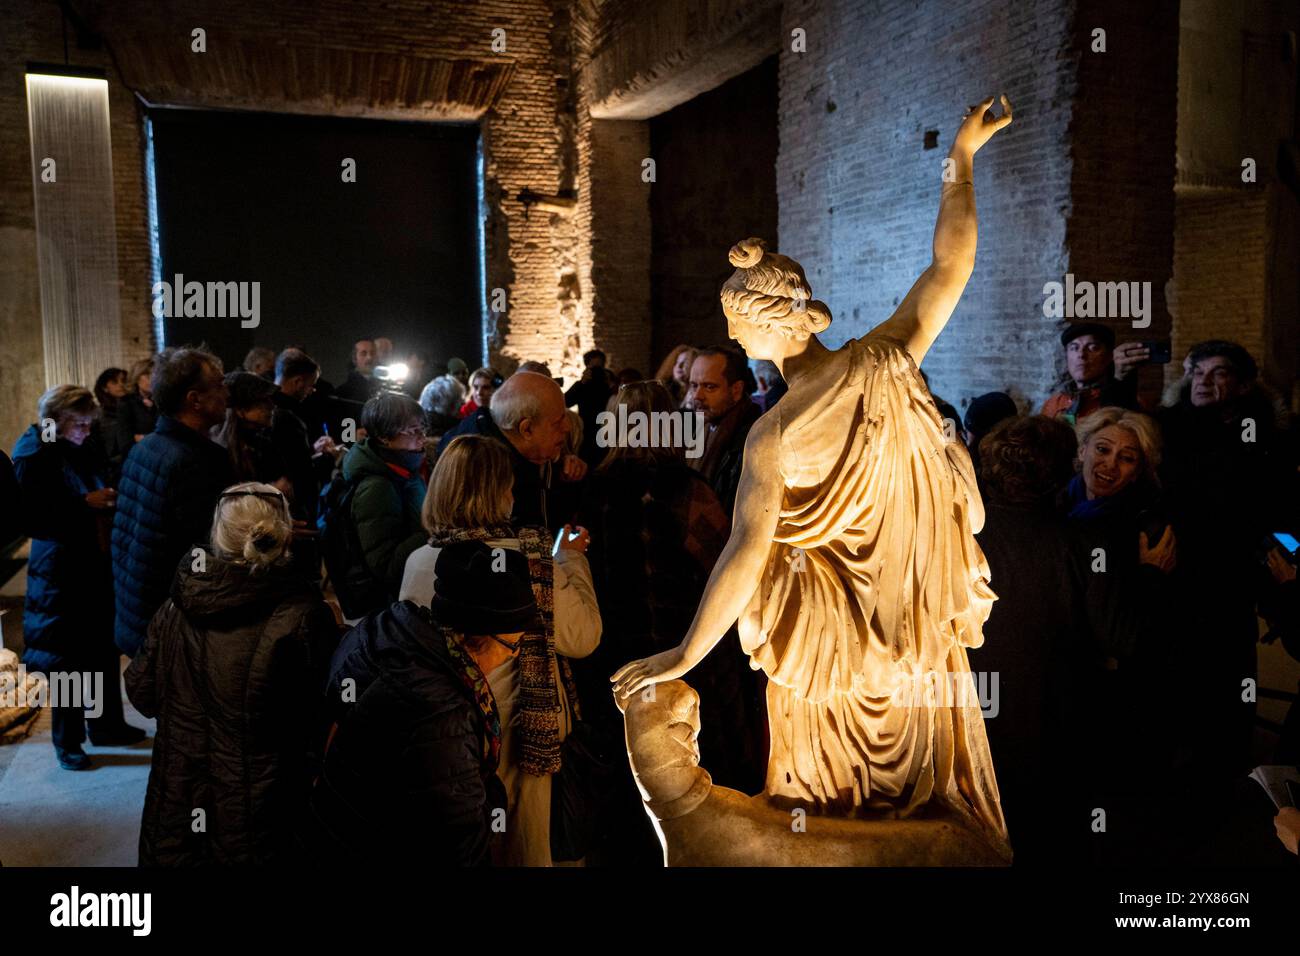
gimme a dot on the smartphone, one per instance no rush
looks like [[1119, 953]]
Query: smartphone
[[560, 537], [1160, 352], [1288, 542], [1154, 524]]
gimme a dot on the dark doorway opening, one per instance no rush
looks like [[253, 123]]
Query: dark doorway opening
[[715, 184], [244, 197]]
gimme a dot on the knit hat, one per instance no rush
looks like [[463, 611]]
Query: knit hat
[[455, 365], [247, 389], [1075, 329], [482, 590], [987, 410]]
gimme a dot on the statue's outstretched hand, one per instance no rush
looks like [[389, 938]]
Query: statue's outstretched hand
[[979, 126], [665, 666]]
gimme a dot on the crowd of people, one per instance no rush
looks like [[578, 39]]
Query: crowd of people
[[377, 622]]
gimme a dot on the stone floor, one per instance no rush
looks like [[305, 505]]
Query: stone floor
[[55, 817]]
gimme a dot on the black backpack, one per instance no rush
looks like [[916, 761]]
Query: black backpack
[[359, 592]]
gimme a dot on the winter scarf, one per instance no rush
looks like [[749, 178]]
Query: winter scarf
[[538, 720]]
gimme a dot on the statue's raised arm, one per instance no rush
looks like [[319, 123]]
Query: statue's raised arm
[[921, 316]]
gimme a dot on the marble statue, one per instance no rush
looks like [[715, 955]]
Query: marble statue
[[854, 574]]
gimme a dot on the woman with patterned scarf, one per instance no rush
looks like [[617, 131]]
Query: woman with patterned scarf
[[469, 500]]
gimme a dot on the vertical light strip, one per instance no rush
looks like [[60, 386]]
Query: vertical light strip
[[76, 233], [485, 359], [155, 244]]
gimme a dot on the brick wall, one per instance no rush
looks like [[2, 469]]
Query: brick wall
[[620, 250], [1219, 287], [1123, 140], [859, 192]]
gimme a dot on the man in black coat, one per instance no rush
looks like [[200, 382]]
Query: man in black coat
[[170, 483], [308, 462], [591, 395], [361, 384], [1228, 487], [410, 770]]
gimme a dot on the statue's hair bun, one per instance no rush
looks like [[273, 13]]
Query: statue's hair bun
[[747, 253]]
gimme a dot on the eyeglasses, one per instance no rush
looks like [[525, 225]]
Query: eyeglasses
[[506, 644], [414, 431], [275, 496], [269, 495]]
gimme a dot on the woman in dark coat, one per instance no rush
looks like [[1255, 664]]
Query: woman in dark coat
[[232, 668], [68, 610], [110, 389], [136, 414], [1040, 661], [1130, 552], [246, 434]]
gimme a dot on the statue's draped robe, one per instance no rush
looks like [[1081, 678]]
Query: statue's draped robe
[[874, 589]]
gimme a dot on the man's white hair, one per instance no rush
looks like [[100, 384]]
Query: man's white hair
[[519, 397]]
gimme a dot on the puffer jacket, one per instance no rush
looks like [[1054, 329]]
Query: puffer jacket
[[405, 779], [170, 483], [386, 510], [232, 668], [68, 609]]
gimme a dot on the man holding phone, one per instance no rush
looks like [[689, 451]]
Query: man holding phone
[[1098, 374]]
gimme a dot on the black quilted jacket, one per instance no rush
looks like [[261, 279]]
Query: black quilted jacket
[[232, 668], [405, 779]]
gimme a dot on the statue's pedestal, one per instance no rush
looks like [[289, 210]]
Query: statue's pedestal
[[731, 829], [703, 825]]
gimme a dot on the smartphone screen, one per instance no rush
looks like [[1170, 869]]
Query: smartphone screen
[[1287, 541]]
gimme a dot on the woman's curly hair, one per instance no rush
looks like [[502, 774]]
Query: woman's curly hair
[[770, 291], [1027, 458]]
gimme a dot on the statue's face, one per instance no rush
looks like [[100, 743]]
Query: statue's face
[[759, 344]]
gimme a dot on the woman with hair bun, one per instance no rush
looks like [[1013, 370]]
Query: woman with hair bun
[[852, 565], [232, 668]]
